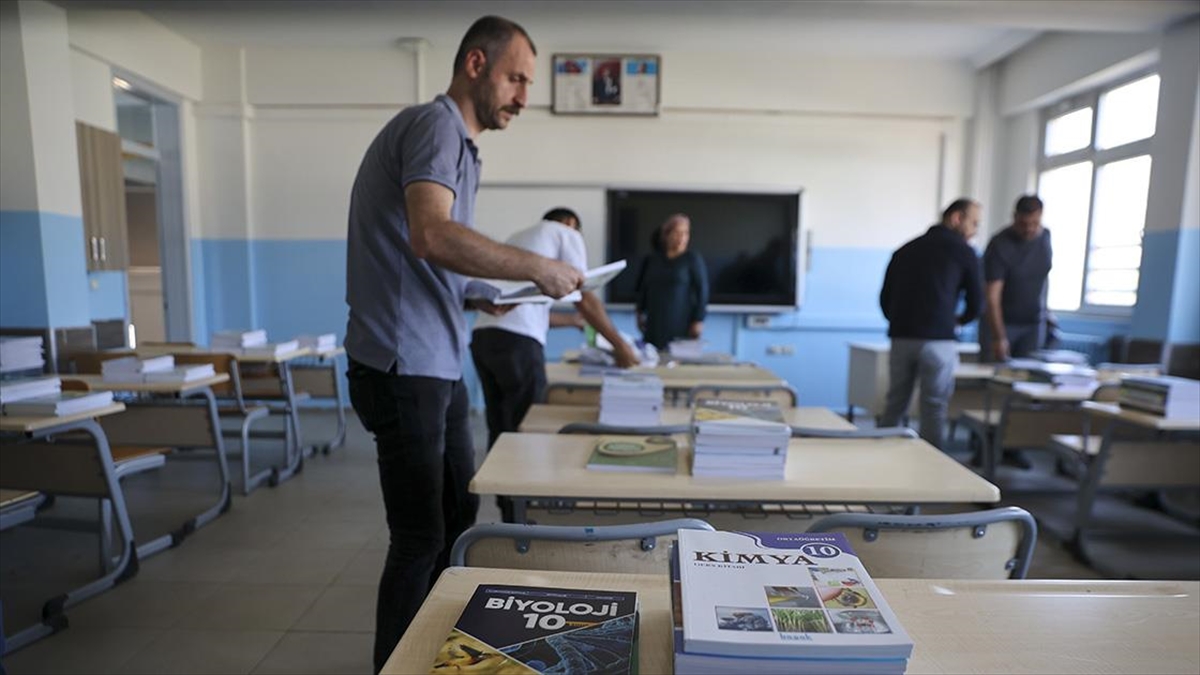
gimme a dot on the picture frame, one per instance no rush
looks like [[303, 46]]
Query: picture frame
[[606, 84]]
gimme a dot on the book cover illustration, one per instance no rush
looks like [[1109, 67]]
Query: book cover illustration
[[783, 595], [652, 454], [512, 630]]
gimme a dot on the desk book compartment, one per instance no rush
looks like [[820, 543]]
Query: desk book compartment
[[524, 629]]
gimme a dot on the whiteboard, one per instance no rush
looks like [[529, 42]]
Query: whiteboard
[[504, 209]]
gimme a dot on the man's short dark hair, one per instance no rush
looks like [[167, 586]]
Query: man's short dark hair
[[562, 214], [1028, 204], [960, 205], [492, 35]]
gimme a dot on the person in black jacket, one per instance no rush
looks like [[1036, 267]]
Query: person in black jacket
[[921, 290]]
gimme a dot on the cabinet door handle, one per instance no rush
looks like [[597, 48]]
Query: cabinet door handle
[[103, 251], [95, 251]]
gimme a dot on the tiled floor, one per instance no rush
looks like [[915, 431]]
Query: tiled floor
[[283, 583]]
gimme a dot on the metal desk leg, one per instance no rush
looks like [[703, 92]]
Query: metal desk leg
[[1087, 493], [225, 499], [294, 451]]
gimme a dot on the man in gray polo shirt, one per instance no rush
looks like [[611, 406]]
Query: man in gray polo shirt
[[1016, 265], [410, 247]]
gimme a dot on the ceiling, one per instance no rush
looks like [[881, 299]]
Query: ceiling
[[979, 31]]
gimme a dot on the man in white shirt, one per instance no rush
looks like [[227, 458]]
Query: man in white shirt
[[509, 350]]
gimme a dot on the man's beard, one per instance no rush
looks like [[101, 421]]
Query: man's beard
[[486, 112]]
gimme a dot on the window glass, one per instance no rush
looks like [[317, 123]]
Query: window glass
[[1066, 193], [1127, 113], [1069, 132]]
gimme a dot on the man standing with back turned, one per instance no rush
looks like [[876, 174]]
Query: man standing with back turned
[[410, 247], [920, 295], [1016, 266]]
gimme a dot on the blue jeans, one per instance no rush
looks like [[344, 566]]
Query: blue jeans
[[426, 460]]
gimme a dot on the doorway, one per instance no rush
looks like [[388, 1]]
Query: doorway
[[159, 277]]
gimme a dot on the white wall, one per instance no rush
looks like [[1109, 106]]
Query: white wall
[[1174, 137], [139, 44], [18, 183], [367, 76], [92, 91], [1057, 65]]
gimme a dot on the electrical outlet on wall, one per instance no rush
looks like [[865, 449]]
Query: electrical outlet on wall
[[781, 350], [758, 321]]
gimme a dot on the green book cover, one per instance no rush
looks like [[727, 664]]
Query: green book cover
[[652, 454]]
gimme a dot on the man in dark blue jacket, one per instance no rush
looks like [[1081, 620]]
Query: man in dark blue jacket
[[920, 296]]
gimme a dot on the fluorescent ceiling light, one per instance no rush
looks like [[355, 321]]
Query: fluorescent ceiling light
[[122, 84]]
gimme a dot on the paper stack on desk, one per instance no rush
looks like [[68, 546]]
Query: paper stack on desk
[[631, 400], [739, 439], [1171, 397], [131, 369], [21, 353]]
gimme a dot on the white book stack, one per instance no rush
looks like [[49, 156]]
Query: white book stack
[[21, 353], [64, 403], [130, 369], [686, 349], [182, 374], [320, 343], [1175, 398], [29, 387], [631, 400], [237, 340], [271, 349], [739, 439]]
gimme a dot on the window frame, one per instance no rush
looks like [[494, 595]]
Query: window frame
[[1098, 158]]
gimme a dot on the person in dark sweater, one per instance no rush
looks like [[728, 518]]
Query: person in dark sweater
[[1016, 264], [921, 290], [672, 287]]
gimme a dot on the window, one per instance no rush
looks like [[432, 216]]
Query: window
[[1094, 178]]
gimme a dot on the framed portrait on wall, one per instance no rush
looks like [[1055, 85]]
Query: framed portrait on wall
[[606, 84]]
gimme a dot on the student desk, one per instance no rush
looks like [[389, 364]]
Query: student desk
[[541, 469], [279, 385], [162, 415], [317, 376], [66, 467], [548, 419], [678, 380], [1166, 453], [957, 626]]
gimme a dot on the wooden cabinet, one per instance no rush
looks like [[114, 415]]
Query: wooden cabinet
[[102, 188]]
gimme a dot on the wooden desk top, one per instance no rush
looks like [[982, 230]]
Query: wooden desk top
[[30, 424], [962, 626], [974, 371], [159, 350], [890, 471], [1143, 419], [675, 377], [97, 383], [548, 419]]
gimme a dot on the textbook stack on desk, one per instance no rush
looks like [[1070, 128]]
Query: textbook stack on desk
[[66, 403], [320, 343], [182, 374], [1061, 356], [21, 353], [271, 348], [1171, 397], [745, 602], [237, 340], [26, 388], [739, 439], [132, 369], [631, 400], [527, 629], [1059, 374]]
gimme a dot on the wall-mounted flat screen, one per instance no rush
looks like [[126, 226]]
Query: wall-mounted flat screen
[[749, 242]]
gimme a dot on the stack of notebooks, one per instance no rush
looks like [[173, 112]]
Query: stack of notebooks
[[739, 439], [43, 397], [1057, 374], [321, 343], [692, 352], [631, 400], [21, 353], [157, 370], [745, 602], [525, 629], [251, 343], [1174, 398]]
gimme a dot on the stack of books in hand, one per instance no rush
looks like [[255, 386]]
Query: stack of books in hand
[[631, 400], [739, 439], [767, 603], [21, 353], [129, 369], [527, 629], [1171, 397]]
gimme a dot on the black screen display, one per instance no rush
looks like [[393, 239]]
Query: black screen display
[[748, 241]]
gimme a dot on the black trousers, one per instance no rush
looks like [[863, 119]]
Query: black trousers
[[512, 370], [426, 460]]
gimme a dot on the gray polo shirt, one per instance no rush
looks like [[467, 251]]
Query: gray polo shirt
[[404, 311], [1023, 266]]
